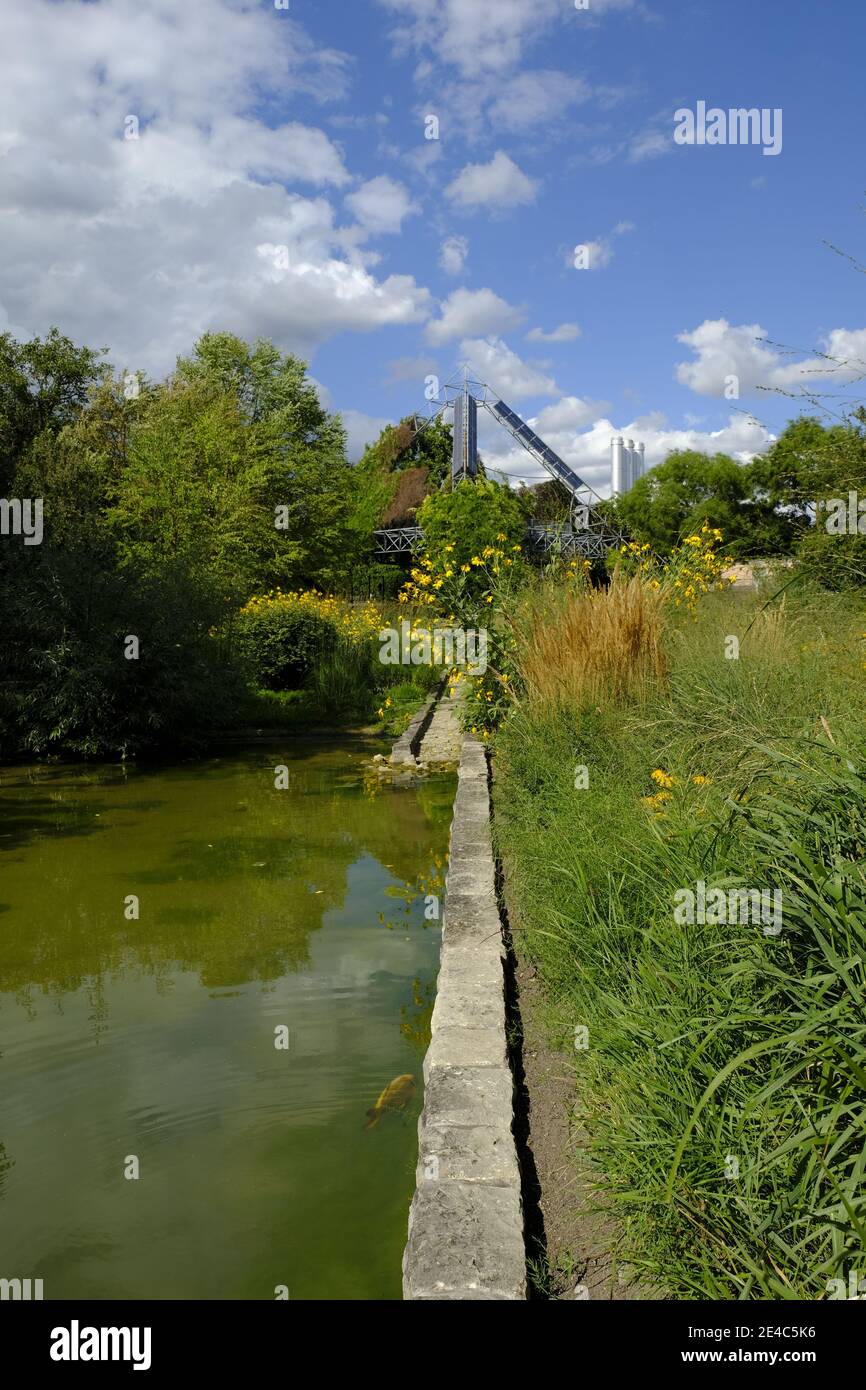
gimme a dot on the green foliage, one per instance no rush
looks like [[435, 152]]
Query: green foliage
[[344, 681], [67, 684], [763, 508], [377, 474], [549, 503], [833, 562], [43, 385], [163, 509], [710, 1040], [470, 517], [810, 461], [689, 488], [283, 645], [812, 466]]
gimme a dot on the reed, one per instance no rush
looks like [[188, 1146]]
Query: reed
[[594, 646]]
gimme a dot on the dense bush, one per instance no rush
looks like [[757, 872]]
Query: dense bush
[[281, 644], [470, 517], [67, 683]]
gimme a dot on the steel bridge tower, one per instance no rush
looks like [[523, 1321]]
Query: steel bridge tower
[[586, 533]]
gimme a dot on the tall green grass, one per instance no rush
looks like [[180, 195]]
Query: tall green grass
[[724, 1086]]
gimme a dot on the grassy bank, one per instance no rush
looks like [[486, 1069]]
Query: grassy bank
[[723, 1080]]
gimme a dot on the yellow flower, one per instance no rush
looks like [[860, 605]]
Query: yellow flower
[[662, 778], [701, 781]]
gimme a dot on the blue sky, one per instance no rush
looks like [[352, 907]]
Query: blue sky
[[281, 184]]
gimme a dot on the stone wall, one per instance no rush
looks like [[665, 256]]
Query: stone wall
[[466, 1220]]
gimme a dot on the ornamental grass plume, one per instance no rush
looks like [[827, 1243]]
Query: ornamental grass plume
[[593, 647]]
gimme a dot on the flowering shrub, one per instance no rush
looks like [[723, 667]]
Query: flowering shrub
[[284, 637], [692, 569], [472, 595], [464, 593]]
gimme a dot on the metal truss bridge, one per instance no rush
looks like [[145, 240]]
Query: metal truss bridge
[[586, 533]]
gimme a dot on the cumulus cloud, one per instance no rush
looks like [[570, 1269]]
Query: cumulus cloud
[[381, 204], [724, 351], [505, 372], [587, 451], [453, 253], [481, 36], [499, 184], [569, 413], [565, 333], [598, 253], [472, 311], [144, 243], [473, 35]]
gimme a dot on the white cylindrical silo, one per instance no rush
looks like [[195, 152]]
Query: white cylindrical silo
[[629, 465], [641, 461], [616, 466]]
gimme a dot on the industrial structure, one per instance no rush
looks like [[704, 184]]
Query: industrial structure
[[626, 465], [586, 533]]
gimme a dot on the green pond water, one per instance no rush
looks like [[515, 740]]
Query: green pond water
[[259, 909]]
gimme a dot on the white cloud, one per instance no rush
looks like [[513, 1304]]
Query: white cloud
[[474, 35], [723, 350], [499, 184], [452, 256], [846, 347], [565, 333], [502, 369], [535, 98], [600, 250], [467, 312], [588, 451], [142, 244], [600, 254], [650, 143], [381, 204], [569, 413], [361, 430]]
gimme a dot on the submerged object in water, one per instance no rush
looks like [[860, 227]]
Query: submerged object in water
[[396, 1096]]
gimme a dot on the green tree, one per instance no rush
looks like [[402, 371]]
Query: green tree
[[471, 516], [810, 461], [43, 385], [809, 465], [674, 499], [234, 465]]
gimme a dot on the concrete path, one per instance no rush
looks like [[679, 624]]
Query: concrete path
[[466, 1219], [444, 738]]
